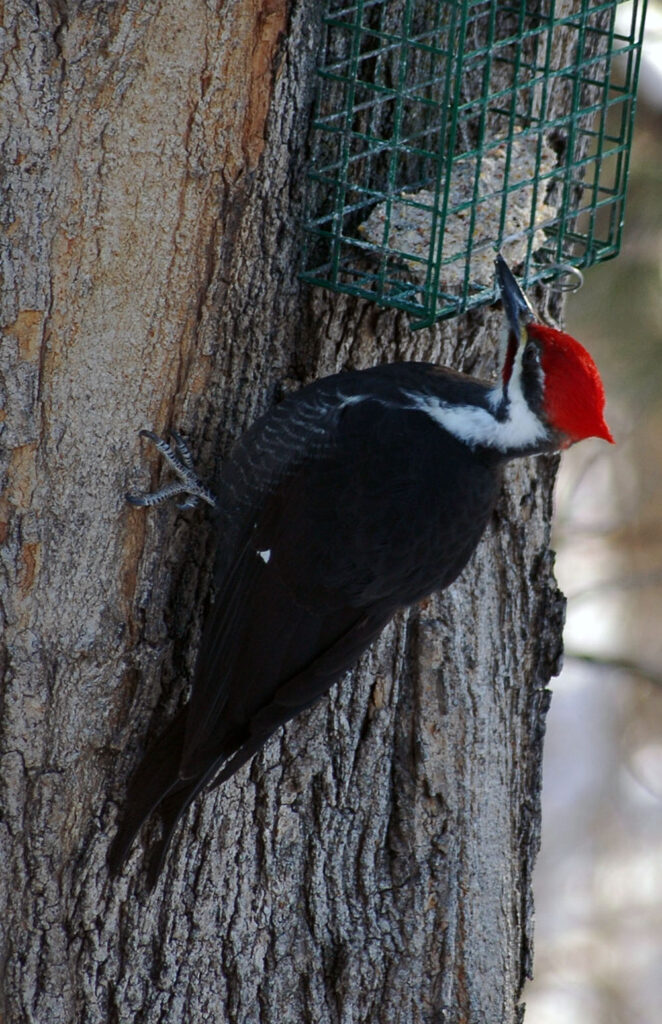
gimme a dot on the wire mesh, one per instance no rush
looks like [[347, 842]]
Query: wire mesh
[[444, 130]]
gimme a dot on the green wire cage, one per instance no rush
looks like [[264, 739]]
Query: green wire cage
[[444, 130]]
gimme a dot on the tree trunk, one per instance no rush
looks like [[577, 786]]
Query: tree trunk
[[374, 862]]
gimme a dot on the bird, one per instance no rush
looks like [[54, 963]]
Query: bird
[[353, 498]]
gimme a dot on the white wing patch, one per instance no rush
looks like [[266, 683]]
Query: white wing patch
[[265, 555]]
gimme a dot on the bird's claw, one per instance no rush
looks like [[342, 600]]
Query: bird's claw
[[180, 460]]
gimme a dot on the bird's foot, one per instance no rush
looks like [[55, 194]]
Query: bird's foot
[[181, 461]]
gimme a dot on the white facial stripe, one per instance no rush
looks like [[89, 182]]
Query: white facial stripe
[[476, 426], [522, 427], [470, 424]]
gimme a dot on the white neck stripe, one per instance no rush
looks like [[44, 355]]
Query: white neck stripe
[[479, 427]]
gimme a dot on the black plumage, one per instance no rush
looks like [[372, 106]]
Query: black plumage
[[355, 497], [342, 505]]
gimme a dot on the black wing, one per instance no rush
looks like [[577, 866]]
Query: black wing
[[335, 512], [366, 524]]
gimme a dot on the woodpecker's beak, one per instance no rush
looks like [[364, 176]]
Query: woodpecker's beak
[[515, 303]]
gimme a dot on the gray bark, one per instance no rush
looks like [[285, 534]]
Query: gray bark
[[374, 862]]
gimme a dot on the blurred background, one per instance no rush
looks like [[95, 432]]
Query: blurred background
[[598, 881]]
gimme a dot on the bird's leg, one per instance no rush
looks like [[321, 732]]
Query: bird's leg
[[181, 461]]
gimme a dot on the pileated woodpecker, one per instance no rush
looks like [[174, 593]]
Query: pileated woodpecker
[[355, 497]]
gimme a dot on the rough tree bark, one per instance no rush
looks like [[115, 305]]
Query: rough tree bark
[[374, 862]]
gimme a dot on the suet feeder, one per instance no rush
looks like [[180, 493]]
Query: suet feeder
[[444, 130]]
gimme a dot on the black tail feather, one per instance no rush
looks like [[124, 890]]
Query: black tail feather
[[158, 786], [156, 778], [171, 809]]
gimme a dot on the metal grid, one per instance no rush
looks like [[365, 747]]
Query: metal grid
[[444, 130]]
